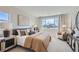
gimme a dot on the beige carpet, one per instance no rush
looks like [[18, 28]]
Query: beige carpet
[[19, 49], [55, 45]]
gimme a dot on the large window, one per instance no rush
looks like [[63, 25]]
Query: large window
[[4, 16], [50, 22]]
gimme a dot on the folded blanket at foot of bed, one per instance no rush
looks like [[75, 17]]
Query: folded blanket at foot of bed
[[38, 43]]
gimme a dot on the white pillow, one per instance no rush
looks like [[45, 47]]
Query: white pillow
[[28, 30], [18, 32], [22, 33]]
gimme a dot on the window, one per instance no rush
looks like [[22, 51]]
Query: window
[[50, 22], [3, 16]]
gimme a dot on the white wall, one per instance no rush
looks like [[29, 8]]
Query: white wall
[[63, 21], [69, 17], [13, 12], [33, 20]]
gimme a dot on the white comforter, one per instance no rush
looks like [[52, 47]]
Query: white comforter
[[21, 40]]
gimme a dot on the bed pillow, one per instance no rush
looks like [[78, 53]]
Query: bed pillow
[[26, 32], [22, 32], [18, 32], [15, 32]]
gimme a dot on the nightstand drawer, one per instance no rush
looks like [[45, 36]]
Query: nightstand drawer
[[9, 42]]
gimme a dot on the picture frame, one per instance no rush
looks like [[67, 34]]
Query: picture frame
[[22, 20]]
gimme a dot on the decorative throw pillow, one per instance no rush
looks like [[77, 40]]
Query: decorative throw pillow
[[15, 32], [22, 32], [26, 32]]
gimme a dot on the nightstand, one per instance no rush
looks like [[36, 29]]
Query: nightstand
[[1, 40], [7, 43]]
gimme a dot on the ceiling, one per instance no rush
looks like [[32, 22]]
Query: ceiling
[[38, 11]]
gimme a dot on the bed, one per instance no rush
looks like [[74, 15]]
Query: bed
[[38, 42]]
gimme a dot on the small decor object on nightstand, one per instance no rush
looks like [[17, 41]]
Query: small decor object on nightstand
[[36, 29], [31, 32], [7, 29], [6, 33]]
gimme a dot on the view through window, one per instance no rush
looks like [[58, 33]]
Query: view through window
[[4, 16], [50, 22]]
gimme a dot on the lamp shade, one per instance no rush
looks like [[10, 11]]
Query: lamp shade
[[64, 26], [35, 26], [8, 26]]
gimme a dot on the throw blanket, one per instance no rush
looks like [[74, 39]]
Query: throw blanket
[[38, 42]]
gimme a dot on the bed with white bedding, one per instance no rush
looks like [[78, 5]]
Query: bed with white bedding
[[38, 42], [21, 40]]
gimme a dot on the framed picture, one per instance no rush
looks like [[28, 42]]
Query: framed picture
[[22, 20]]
